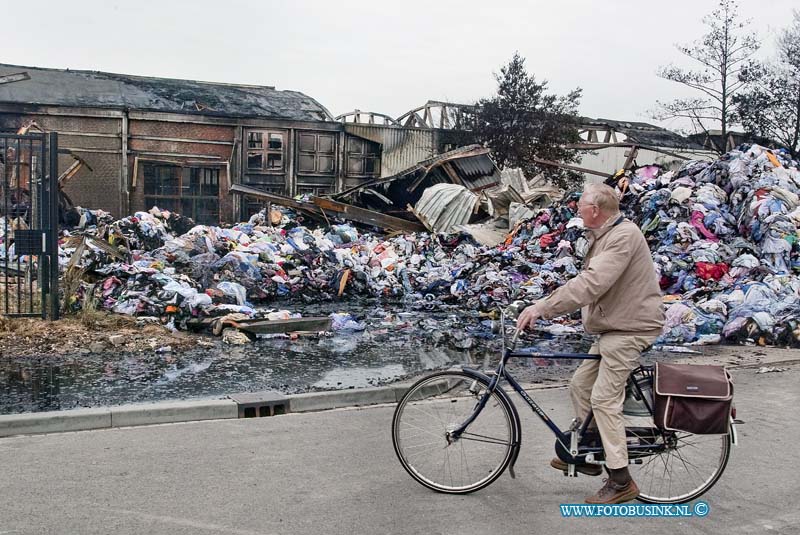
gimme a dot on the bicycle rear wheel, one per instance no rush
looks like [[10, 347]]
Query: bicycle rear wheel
[[434, 407], [685, 469]]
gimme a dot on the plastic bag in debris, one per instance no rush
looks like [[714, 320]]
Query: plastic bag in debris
[[342, 321], [191, 297], [236, 290], [340, 234]]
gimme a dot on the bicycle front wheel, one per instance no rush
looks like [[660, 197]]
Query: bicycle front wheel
[[434, 407]]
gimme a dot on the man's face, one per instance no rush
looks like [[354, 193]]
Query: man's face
[[590, 213]]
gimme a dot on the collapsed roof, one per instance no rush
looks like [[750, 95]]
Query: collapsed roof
[[95, 89], [635, 133]]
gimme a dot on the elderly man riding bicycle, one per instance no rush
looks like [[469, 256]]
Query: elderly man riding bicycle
[[620, 299]]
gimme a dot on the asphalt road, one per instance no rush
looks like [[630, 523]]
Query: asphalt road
[[336, 472]]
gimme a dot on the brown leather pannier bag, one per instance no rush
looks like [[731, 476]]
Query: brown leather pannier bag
[[693, 398]]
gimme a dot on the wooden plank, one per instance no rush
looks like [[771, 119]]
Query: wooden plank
[[369, 217], [632, 153], [70, 172], [347, 211], [272, 197], [305, 208], [571, 167], [451, 173], [124, 178], [312, 324], [135, 172], [414, 185]]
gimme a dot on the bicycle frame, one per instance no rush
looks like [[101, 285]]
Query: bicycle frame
[[569, 440], [502, 373]]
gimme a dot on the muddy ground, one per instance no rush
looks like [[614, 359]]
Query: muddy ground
[[89, 333]]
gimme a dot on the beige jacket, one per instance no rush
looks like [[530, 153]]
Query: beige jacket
[[618, 288]]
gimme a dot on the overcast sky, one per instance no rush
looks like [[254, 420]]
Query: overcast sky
[[387, 57]]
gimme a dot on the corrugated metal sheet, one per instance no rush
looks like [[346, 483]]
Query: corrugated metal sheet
[[402, 147], [444, 206], [477, 171], [475, 166]]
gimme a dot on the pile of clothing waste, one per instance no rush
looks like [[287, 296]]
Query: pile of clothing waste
[[723, 235], [159, 268], [724, 238]]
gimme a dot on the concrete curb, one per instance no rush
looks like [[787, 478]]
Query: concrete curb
[[171, 412], [319, 401], [121, 416], [220, 409], [190, 411], [55, 422]]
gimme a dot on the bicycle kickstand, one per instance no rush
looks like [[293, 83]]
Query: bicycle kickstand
[[574, 429]]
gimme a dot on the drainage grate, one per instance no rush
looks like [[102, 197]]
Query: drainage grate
[[260, 404]]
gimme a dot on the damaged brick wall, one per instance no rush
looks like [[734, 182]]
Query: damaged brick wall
[[185, 145], [94, 139], [98, 188]]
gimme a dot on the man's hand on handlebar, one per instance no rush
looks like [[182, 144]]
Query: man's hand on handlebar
[[529, 316]]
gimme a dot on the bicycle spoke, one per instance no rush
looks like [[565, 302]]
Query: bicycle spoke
[[426, 444], [490, 441], [424, 431]]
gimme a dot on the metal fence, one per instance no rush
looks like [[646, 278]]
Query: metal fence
[[29, 225]]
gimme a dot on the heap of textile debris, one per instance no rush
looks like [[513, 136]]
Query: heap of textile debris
[[723, 236]]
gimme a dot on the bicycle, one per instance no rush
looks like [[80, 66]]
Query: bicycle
[[456, 431]]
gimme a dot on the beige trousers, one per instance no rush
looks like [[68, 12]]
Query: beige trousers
[[600, 385]]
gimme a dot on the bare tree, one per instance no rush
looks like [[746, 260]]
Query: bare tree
[[725, 56], [771, 107]]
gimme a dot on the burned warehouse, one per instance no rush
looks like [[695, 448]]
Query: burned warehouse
[[127, 143]]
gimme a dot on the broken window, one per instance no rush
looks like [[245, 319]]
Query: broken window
[[255, 160], [255, 140], [265, 151], [274, 162], [363, 158], [316, 153], [190, 191], [275, 141], [161, 180]]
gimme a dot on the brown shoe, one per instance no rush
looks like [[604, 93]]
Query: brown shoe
[[588, 469], [614, 493]]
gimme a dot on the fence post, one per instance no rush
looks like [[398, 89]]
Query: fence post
[[52, 230]]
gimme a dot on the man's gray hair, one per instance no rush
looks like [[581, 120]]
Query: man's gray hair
[[602, 196]]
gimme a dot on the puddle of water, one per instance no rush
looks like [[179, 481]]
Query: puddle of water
[[396, 345]]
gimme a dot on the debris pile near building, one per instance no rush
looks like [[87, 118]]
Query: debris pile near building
[[723, 236]]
